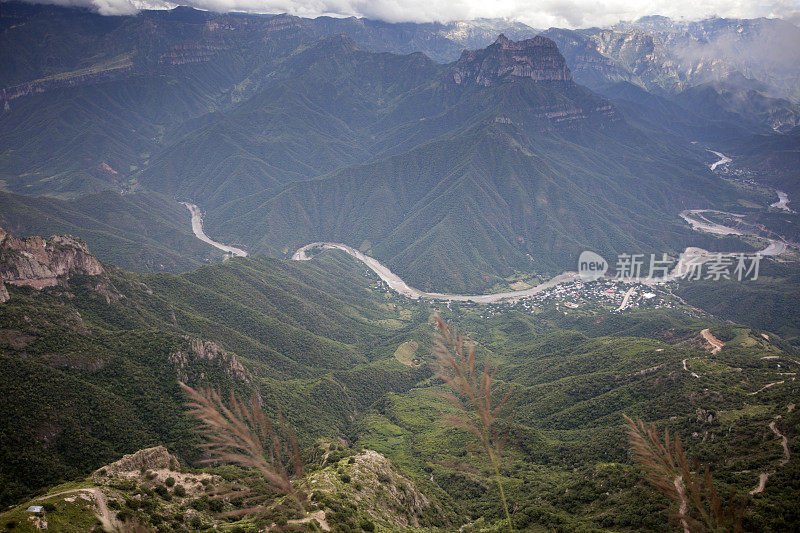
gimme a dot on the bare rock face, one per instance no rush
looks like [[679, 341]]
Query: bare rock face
[[39, 263], [157, 458], [537, 58], [199, 350]]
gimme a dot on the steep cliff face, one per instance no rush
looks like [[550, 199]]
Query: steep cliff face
[[38, 263], [537, 58]]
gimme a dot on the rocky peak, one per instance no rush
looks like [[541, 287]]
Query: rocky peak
[[199, 350], [156, 458], [384, 494], [537, 58], [39, 263]]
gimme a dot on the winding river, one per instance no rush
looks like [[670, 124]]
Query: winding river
[[694, 217], [723, 159], [197, 228], [783, 201], [401, 287]]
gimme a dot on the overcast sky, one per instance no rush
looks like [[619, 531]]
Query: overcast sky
[[536, 13]]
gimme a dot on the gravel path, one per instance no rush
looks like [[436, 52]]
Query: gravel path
[[716, 344]]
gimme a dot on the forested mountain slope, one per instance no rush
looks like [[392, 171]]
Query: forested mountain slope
[[91, 366], [287, 131], [139, 232]]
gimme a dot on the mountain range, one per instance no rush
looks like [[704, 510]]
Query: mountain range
[[469, 157], [287, 131]]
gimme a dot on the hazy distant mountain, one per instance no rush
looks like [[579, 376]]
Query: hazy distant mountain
[[765, 50], [751, 65]]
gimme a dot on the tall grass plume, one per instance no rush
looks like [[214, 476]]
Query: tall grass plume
[[243, 435], [696, 504], [455, 364]]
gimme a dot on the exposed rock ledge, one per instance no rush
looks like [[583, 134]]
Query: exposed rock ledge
[[537, 58], [155, 458], [198, 350], [38, 263]]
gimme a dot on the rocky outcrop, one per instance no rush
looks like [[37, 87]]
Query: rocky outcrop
[[7, 94], [157, 458], [374, 485], [39, 263], [198, 350], [184, 53], [537, 59]]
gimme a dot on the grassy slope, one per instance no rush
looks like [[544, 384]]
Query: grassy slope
[[567, 460]]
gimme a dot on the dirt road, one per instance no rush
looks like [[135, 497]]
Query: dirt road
[[784, 443], [762, 482], [716, 344], [97, 495]]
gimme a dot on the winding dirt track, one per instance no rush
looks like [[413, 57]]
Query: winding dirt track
[[762, 479], [686, 368], [716, 344], [98, 496], [784, 443], [762, 482], [765, 387]]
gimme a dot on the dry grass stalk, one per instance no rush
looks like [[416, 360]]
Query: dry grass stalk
[[698, 507], [455, 364], [244, 435]]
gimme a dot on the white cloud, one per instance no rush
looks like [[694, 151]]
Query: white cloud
[[539, 14]]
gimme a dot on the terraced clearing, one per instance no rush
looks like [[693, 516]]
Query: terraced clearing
[[406, 352]]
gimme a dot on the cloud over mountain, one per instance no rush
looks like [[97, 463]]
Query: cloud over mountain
[[544, 14]]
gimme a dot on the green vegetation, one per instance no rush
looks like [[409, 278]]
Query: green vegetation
[[287, 131], [304, 136], [83, 372], [696, 506], [94, 366], [771, 303]]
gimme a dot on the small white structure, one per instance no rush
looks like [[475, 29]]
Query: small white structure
[[36, 509]]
